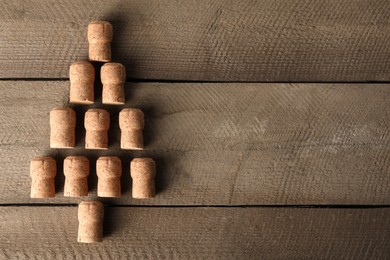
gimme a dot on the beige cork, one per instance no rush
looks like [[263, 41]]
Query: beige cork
[[113, 77], [131, 123], [143, 173], [62, 127], [91, 216], [76, 171], [109, 172], [82, 78], [100, 38], [97, 123], [42, 171]]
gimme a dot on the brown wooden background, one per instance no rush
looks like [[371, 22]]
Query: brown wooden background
[[269, 121]]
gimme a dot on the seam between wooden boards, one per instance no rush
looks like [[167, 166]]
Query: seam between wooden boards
[[205, 206], [138, 80]]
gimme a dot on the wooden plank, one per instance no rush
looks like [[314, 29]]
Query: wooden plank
[[199, 233], [268, 40], [220, 144]]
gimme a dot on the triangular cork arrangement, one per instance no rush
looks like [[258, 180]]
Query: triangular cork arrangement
[[76, 169]]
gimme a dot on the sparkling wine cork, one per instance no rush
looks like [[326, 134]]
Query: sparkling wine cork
[[76, 171], [82, 78], [42, 171], [62, 127], [113, 77], [97, 123], [143, 173], [131, 123], [109, 172], [90, 215], [100, 38]]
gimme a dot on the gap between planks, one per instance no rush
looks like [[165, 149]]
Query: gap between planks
[[204, 206], [161, 81]]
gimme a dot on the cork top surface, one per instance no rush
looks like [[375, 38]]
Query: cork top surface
[[76, 166], [91, 211], [81, 63], [113, 73], [43, 167], [81, 66], [97, 119], [100, 32], [143, 160], [63, 116], [100, 22], [109, 166], [47, 159], [143, 168], [82, 71], [131, 118], [62, 109]]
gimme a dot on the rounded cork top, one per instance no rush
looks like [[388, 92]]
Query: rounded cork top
[[113, 73], [100, 32], [43, 167], [92, 211], [76, 166], [109, 167], [81, 71], [143, 168], [131, 118], [97, 120], [63, 116]]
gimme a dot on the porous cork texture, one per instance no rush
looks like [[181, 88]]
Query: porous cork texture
[[82, 78], [143, 173], [42, 171], [76, 171], [96, 123], [109, 172], [100, 37], [62, 127], [131, 123], [90, 216], [113, 77]]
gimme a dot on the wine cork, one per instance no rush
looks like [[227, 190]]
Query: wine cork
[[143, 173], [100, 38], [97, 123], [131, 123], [42, 171], [109, 172], [90, 215], [113, 77], [82, 78], [62, 127], [76, 171]]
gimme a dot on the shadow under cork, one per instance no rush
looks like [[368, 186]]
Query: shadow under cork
[[60, 177], [125, 178], [149, 131], [109, 223], [98, 83], [162, 180], [80, 130], [114, 132], [92, 178], [122, 24]]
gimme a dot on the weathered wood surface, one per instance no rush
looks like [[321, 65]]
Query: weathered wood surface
[[268, 40], [199, 233], [220, 144]]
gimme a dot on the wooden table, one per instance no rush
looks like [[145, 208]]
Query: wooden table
[[268, 120]]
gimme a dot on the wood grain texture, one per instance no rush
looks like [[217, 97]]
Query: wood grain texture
[[220, 144], [268, 40], [199, 233]]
